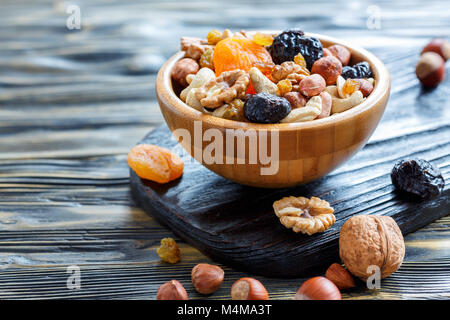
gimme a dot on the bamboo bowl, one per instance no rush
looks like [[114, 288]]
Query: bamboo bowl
[[306, 150]]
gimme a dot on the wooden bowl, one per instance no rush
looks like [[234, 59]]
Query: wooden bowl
[[306, 150]]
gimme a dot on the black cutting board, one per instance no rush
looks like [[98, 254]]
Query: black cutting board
[[236, 225]]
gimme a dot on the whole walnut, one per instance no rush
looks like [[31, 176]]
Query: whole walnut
[[366, 240]]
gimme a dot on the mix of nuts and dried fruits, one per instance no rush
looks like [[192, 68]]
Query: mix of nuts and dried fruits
[[289, 78], [269, 78]]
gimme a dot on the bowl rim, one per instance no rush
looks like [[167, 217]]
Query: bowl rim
[[164, 91]]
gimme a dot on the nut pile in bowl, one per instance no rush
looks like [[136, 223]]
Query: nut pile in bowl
[[269, 78]]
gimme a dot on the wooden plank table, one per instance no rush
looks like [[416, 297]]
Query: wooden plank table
[[73, 102]]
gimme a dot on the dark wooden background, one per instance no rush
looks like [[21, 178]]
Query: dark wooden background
[[73, 102]]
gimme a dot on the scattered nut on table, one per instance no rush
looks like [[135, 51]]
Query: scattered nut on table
[[369, 240], [304, 215]]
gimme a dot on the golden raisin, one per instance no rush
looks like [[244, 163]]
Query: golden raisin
[[214, 36], [263, 39], [206, 60], [300, 60], [169, 251], [350, 86], [284, 86]]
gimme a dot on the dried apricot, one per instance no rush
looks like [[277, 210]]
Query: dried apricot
[[155, 163], [239, 53]]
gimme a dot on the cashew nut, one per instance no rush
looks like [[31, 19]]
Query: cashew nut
[[261, 83], [192, 101], [201, 77], [340, 105], [307, 113]]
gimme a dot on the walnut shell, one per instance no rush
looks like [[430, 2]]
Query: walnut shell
[[366, 240]]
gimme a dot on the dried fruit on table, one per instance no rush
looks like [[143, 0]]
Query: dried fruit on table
[[284, 86], [263, 39], [206, 60], [223, 89], [239, 53], [266, 108], [357, 71], [370, 240], [155, 163], [304, 215], [169, 251], [288, 44], [419, 177], [213, 37]]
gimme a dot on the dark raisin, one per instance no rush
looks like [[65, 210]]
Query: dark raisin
[[360, 70], [288, 44], [419, 177], [266, 108]]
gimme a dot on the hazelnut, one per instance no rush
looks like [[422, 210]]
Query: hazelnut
[[340, 277], [248, 289], [182, 68], [207, 278], [364, 86], [440, 46], [367, 240], [430, 69], [296, 99], [312, 85], [341, 53], [326, 52], [329, 68], [318, 288], [326, 105], [172, 290]]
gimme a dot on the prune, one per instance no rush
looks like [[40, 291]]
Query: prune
[[360, 70], [419, 177], [266, 108], [288, 44]]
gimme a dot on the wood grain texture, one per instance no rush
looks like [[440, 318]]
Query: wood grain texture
[[72, 103]]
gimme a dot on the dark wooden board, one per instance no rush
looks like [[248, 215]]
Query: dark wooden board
[[235, 224]]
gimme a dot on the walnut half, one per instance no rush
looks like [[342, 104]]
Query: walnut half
[[225, 88], [304, 215]]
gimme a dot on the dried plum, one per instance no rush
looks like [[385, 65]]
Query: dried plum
[[266, 108], [419, 177], [360, 70], [289, 43]]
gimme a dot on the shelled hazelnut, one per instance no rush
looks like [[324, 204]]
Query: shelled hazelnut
[[248, 289], [207, 278], [318, 288], [430, 69], [172, 290]]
